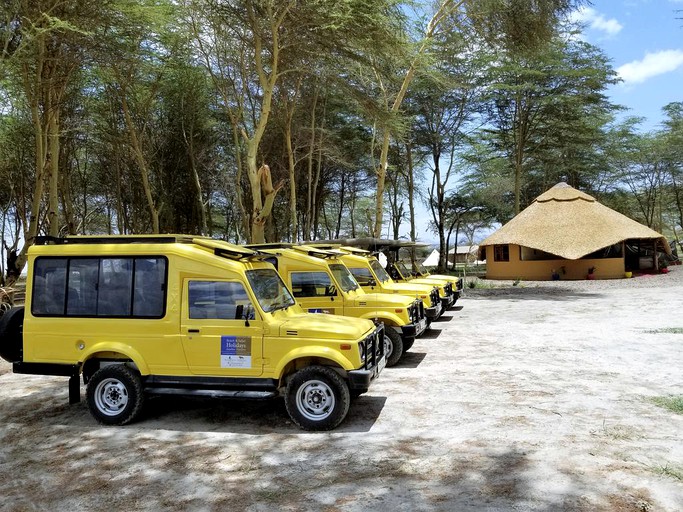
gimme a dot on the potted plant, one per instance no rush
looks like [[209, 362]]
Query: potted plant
[[591, 272], [664, 267]]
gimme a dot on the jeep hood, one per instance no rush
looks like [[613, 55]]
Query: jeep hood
[[331, 327], [416, 288], [384, 300]]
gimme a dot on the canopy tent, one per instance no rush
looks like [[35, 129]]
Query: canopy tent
[[432, 260]]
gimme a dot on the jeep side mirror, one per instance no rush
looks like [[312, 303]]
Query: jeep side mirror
[[245, 312], [372, 282]]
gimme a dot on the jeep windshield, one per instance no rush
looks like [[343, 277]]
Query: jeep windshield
[[422, 270], [403, 269], [344, 277], [379, 271], [270, 291]]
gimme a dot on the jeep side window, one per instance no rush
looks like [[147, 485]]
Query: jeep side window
[[115, 287], [219, 300], [312, 284], [362, 275], [107, 287], [150, 287], [82, 287], [49, 286]]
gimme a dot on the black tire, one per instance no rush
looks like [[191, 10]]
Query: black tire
[[393, 345], [317, 398], [408, 344], [115, 395], [11, 335]]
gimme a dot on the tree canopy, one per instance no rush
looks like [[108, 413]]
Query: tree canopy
[[255, 120]]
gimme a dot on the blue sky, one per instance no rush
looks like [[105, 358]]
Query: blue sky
[[644, 40]]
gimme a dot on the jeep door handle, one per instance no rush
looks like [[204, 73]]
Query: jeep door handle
[[193, 330]]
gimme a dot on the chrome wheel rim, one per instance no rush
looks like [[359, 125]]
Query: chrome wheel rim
[[388, 347], [111, 397], [315, 400]]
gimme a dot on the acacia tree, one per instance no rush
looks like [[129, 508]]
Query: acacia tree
[[514, 25], [248, 45], [44, 43], [546, 112]]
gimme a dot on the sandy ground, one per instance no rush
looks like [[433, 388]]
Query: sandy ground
[[526, 398]]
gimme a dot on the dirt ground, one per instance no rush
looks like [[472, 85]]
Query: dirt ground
[[525, 398]]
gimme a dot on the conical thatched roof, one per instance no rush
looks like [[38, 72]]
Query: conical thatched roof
[[568, 223]]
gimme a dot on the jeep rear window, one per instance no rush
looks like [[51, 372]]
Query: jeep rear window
[[99, 287]]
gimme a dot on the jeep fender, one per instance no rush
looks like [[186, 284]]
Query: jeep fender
[[313, 352], [119, 348], [389, 319]]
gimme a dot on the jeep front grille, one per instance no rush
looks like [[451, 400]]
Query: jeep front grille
[[434, 295], [374, 347], [416, 311]]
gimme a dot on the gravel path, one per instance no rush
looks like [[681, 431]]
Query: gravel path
[[537, 397]]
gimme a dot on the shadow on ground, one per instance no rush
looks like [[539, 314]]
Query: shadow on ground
[[49, 408], [430, 334], [410, 360]]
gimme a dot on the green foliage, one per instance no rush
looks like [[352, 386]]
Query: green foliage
[[673, 403], [187, 73], [667, 330]]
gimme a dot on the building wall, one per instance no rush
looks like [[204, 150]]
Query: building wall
[[541, 270]]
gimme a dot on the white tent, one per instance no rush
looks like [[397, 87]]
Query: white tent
[[432, 260]]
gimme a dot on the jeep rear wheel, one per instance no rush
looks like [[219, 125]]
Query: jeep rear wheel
[[115, 395], [317, 398], [393, 346]]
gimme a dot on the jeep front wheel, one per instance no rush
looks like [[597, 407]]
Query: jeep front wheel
[[115, 395], [393, 346], [317, 398]]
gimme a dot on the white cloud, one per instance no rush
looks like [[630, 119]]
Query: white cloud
[[596, 21], [652, 64]]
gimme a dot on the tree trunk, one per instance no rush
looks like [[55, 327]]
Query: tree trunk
[[142, 163], [292, 180], [445, 7], [309, 173]]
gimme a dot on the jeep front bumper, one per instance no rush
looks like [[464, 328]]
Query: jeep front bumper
[[412, 331], [359, 380], [434, 312]]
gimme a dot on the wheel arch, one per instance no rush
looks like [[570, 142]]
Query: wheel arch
[[112, 352], [389, 319], [301, 358]]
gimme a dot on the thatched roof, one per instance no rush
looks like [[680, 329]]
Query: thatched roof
[[568, 223]]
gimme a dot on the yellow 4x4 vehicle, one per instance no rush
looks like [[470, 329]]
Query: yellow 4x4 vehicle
[[145, 315], [321, 283], [372, 277], [449, 289]]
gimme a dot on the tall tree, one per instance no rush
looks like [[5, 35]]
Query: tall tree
[[44, 44], [546, 111]]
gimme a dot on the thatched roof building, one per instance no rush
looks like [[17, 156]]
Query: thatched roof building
[[565, 224]]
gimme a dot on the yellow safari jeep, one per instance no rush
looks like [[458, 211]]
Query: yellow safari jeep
[[449, 288], [321, 283], [146, 315], [372, 277]]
